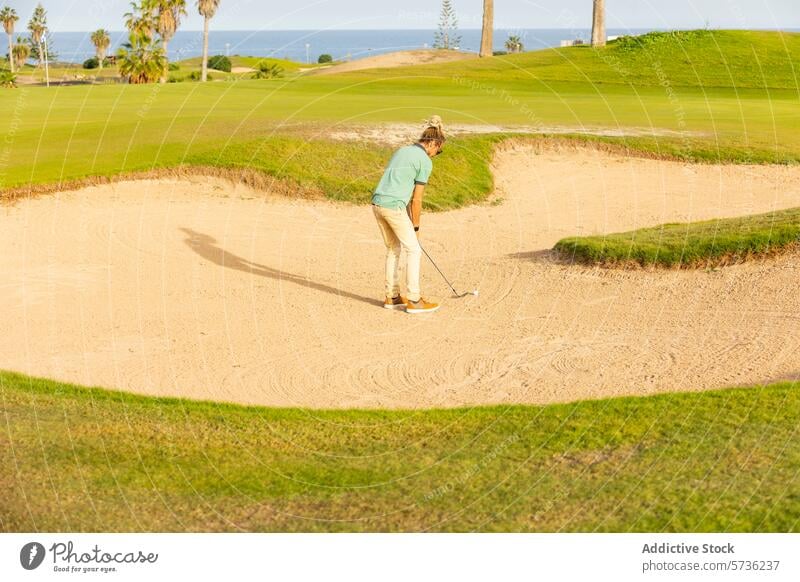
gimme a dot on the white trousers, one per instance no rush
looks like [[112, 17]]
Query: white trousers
[[399, 236]]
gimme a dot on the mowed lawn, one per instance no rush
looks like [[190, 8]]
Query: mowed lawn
[[62, 134], [695, 244], [79, 459]]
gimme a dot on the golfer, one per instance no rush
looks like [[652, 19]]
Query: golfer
[[397, 205]]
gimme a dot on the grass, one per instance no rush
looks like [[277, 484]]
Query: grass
[[707, 243], [71, 133], [692, 58], [81, 459], [348, 171]]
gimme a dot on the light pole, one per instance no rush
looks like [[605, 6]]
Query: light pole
[[46, 67], [308, 54]]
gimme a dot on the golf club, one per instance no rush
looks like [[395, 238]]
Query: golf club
[[455, 293]]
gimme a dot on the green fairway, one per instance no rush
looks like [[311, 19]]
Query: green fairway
[[63, 134], [82, 459], [704, 243]]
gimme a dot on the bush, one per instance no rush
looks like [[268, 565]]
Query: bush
[[326, 58], [197, 75], [500, 53], [91, 63], [8, 79], [174, 67], [268, 71], [220, 63]]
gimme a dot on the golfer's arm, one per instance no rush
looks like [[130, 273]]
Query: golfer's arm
[[416, 204]]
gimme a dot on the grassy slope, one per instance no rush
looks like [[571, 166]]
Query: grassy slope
[[88, 459], [67, 133], [699, 243], [289, 68], [697, 58]]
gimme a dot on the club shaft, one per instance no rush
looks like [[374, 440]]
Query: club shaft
[[438, 269]]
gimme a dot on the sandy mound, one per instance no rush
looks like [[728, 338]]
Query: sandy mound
[[239, 70], [206, 290], [396, 134], [398, 59]]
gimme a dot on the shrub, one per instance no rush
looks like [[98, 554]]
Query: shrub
[[8, 79], [91, 63], [197, 75], [220, 63], [326, 58], [268, 71], [174, 67], [500, 53]]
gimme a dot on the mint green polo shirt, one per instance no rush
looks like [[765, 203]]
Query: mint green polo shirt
[[409, 165]]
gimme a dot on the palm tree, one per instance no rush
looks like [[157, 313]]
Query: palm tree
[[101, 42], [20, 52], [9, 17], [487, 47], [141, 19], [168, 19], [142, 59], [599, 23], [207, 9], [514, 44], [38, 27]]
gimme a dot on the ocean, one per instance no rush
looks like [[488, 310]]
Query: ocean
[[307, 45]]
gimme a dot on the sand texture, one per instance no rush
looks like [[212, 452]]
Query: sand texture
[[208, 290]]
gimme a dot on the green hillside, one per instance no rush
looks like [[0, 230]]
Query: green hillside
[[693, 58]]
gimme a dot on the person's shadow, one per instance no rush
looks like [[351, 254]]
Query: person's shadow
[[206, 246]]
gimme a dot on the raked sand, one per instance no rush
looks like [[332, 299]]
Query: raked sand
[[204, 289]]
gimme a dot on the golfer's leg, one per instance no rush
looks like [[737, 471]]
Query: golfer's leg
[[392, 283], [404, 231]]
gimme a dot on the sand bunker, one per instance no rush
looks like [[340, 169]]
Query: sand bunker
[[397, 59], [202, 289]]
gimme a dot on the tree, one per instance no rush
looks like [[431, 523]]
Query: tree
[[37, 25], [487, 44], [599, 23], [514, 44], [142, 59], [36, 55], [141, 20], [9, 17], [21, 51], [101, 42], [207, 9], [447, 36], [168, 15]]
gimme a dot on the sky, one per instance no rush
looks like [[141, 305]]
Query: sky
[[82, 15]]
